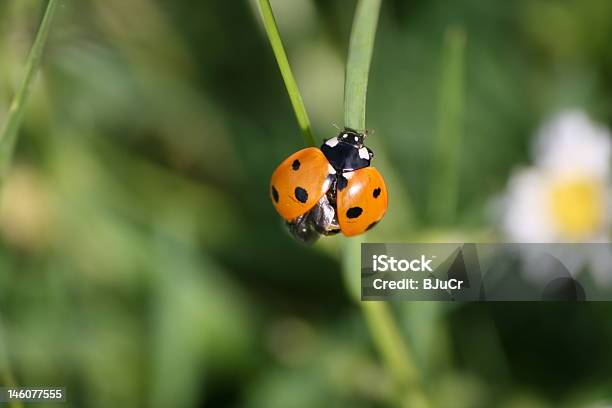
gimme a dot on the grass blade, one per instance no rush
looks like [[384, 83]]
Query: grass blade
[[10, 128], [361, 46], [381, 322], [283, 64], [397, 357], [8, 138], [445, 172]]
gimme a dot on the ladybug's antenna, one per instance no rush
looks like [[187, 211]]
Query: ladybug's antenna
[[334, 124]]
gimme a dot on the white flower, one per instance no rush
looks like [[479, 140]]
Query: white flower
[[570, 142], [566, 195]]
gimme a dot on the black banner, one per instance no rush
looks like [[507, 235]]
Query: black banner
[[487, 272]]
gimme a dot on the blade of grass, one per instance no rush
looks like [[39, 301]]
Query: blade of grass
[[10, 128], [445, 171], [381, 322], [283, 63], [361, 46], [398, 359], [397, 356], [8, 138]]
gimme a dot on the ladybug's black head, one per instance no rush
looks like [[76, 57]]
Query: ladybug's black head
[[352, 137], [346, 151]]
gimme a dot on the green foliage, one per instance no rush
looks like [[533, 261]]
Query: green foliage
[[383, 327], [361, 47], [12, 121], [140, 256], [285, 69], [448, 145]]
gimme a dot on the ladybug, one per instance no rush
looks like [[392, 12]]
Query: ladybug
[[330, 190]]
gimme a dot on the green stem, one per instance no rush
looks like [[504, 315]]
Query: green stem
[[361, 46], [447, 146], [8, 138], [9, 131], [397, 357], [382, 325], [283, 63]]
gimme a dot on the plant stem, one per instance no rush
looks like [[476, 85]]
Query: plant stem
[[283, 63], [397, 357], [361, 46], [8, 138], [383, 327], [9, 131], [445, 164]]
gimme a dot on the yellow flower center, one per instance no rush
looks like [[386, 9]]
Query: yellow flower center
[[577, 207]]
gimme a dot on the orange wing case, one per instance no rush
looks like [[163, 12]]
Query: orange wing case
[[299, 182], [362, 202]]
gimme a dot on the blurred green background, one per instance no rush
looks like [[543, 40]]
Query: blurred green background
[[143, 265]]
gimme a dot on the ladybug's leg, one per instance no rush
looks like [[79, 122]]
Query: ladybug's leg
[[323, 217]]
